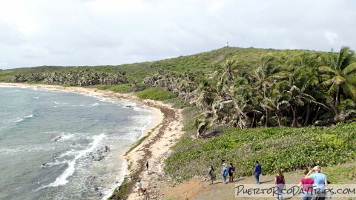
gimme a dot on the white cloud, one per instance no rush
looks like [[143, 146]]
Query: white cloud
[[108, 7], [99, 32], [216, 6], [331, 37]]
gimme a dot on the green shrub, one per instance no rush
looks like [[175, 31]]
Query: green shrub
[[282, 148], [124, 88], [104, 87], [70, 84], [156, 94]]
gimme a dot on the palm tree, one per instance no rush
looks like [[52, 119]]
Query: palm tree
[[306, 78], [297, 99], [339, 78], [264, 77]]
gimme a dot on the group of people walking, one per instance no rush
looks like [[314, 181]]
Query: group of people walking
[[226, 171], [230, 170], [313, 184]]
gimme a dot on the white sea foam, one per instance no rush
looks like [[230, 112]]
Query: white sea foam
[[104, 99], [120, 178], [140, 109], [67, 153], [61, 136], [20, 119], [84, 105], [56, 162], [63, 178], [66, 137], [95, 104]]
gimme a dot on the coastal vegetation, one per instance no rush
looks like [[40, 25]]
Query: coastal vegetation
[[289, 109], [159, 94], [282, 148]]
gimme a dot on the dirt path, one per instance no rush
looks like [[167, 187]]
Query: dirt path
[[200, 189]]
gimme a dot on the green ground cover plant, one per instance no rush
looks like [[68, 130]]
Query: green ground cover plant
[[341, 174], [159, 94], [282, 148], [124, 88]]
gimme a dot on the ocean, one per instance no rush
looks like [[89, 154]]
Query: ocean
[[63, 145]]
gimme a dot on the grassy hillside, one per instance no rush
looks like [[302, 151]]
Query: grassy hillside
[[206, 61]]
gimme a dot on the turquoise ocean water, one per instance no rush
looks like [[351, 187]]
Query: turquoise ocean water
[[51, 143]]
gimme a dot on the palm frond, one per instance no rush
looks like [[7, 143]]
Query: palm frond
[[350, 69], [326, 69]]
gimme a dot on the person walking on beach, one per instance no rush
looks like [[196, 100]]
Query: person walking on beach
[[307, 187], [280, 182], [320, 182], [146, 167], [225, 172], [257, 172], [231, 172], [139, 188], [211, 174]]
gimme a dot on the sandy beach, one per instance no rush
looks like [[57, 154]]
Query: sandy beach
[[161, 135]]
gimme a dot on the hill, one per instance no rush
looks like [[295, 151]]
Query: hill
[[205, 61]]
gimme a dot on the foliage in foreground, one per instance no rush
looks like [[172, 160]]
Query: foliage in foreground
[[275, 148]]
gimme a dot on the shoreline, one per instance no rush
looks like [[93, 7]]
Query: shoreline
[[157, 138]]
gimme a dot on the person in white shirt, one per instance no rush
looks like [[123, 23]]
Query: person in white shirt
[[139, 188]]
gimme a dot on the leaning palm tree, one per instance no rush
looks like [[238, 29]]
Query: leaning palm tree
[[264, 77], [339, 78], [306, 77]]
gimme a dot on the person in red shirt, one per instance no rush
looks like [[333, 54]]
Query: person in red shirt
[[307, 185]]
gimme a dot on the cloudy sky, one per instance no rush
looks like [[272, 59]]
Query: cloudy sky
[[113, 32]]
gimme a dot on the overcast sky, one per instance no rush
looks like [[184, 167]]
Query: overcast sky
[[113, 32]]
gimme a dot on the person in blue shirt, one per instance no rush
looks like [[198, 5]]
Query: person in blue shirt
[[320, 182], [257, 172], [225, 172]]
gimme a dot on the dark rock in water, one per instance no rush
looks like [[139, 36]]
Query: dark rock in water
[[45, 165], [99, 154], [56, 138], [97, 157]]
